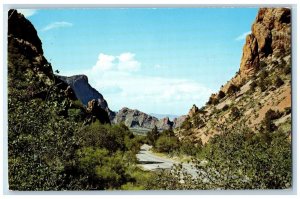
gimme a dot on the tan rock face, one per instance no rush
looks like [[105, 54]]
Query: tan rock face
[[270, 33], [193, 110], [250, 59]]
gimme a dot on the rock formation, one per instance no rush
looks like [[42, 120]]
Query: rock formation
[[135, 118], [86, 93], [270, 35], [262, 83]]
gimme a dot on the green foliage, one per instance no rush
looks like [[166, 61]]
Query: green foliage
[[187, 147], [221, 95], [233, 89], [253, 85], [287, 69], [166, 144], [239, 159], [278, 82], [152, 136], [235, 113], [113, 138], [186, 124], [262, 64], [263, 74], [262, 84], [271, 115], [213, 100], [105, 170], [225, 107]]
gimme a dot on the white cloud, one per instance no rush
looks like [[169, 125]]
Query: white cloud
[[127, 62], [57, 24], [124, 62], [118, 79], [242, 36], [104, 62], [27, 12]]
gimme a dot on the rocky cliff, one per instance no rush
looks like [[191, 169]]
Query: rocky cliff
[[30, 75], [260, 90], [270, 37], [86, 93]]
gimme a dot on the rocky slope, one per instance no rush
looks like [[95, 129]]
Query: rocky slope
[[137, 119], [260, 89], [86, 93]]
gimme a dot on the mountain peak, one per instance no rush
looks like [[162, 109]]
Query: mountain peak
[[85, 92]]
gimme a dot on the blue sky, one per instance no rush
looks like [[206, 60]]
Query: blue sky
[[155, 60]]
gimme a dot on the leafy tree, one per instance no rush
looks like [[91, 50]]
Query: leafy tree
[[239, 159], [153, 135]]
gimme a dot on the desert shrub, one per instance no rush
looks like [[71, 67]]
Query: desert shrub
[[233, 89], [235, 112], [240, 159], [262, 64], [221, 95], [152, 136], [213, 100], [275, 63], [278, 82], [166, 144], [287, 69], [198, 122], [253, 85], [271, 115], [288, 110], [187, 147], [282, 63], [186, 124], [262, 84], [225, 107], [103, 169], [263, 74]]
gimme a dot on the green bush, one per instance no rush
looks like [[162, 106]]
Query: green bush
[[152, 136], [233, 89], [287, 70], [166, 144], [278, 82], [235, 113], [221, 95], [186, 125], [263, 74], [262, 64], [240, 159]]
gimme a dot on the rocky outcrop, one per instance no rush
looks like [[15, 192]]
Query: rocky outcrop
[[270, 36], [21, 28], [24, 42], [135, 119], [86, 93], [94, 111], [178, 121], [193, 111], [164, 124]]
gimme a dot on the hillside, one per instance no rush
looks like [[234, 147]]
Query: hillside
[[51, 135], [260, 89]]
